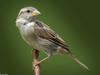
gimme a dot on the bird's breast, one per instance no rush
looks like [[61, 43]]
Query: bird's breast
[[27, 33]]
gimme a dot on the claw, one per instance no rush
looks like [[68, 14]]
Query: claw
[[36, 63]]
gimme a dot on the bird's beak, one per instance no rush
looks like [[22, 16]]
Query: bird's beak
[[35, 13]]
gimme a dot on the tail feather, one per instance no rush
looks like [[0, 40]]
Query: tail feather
[[71, 55], [77, 61]]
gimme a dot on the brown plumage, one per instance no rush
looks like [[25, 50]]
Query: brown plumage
[[40, 36]]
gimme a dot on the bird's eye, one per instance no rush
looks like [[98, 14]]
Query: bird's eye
[[28, 11]]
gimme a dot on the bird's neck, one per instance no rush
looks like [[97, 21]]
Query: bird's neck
[[23, 21], [31, 19]]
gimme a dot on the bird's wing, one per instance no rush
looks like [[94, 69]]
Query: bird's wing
[[45, 32]]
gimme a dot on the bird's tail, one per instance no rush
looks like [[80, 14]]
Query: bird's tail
[[71, 55], [77, 61]]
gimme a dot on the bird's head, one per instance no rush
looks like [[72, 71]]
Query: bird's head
[[28, 12]]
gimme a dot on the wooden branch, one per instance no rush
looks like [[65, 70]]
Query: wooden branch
[[36, 68]]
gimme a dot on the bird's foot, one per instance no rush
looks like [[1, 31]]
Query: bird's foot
[[36, 63]]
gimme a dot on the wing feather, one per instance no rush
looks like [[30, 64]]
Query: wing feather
[[46, 32]]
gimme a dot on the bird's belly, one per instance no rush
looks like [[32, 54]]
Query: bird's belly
[[38, 43], [48, 47], [32, 40]]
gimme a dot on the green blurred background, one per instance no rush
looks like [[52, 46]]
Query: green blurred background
[[77, 21]]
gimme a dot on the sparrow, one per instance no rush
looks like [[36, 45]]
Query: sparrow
[[40, 36]]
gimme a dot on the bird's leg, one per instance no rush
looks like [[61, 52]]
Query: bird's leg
[[37, 63], [35, 54], [44, 59]]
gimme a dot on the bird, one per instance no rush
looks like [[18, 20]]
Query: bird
[[40, 36]]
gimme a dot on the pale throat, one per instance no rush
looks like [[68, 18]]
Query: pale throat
[[25, 21], [31, 19]]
